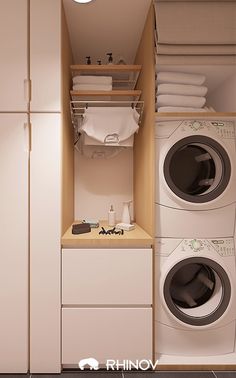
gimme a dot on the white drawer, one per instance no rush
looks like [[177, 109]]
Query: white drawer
[[107, 276], [106, 333]]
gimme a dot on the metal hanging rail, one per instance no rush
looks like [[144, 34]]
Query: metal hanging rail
[[78, 108]]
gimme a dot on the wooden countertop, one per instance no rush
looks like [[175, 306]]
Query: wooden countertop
[[136, 238]]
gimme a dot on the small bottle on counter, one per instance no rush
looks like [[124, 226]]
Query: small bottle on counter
[[110, 58], [111, 217], [88, 60]]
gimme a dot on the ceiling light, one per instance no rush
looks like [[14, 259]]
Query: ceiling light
[[82, 1]]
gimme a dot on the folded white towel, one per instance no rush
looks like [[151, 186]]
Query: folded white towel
[[196, 22], [164, 49], [182, 89], [176, 109], [92, 79], [92, 87], [178, 100], [110, 126], [209, 108], [180, 78]]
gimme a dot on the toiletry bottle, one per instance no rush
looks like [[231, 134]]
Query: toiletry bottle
[[110, 58], [111, 217], [88, 59], [121, 61], [126, 214]]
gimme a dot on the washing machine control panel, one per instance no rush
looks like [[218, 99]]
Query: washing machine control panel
[[225, 129], [225, 247], [194, 245], [194, 125]]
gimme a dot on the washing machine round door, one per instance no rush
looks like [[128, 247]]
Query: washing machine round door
[[197, 291], [197, 169]]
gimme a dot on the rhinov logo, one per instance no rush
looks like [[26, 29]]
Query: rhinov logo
[[91, 362], [131, 365]]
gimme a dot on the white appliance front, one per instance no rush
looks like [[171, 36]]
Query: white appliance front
[[195, 296], [176, 223], [195, 178]]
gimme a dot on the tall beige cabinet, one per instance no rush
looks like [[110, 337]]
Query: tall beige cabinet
[[30, 190], [14, 200], [14, 56], [45, 185], [14, 157]]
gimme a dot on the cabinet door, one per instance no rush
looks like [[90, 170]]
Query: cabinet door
[[13, 48], [14, 243], [45, 55], [106, 333], [45, 220], [107, 276]]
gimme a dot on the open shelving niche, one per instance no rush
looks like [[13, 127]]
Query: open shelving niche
[[220, 81], [123, 93]]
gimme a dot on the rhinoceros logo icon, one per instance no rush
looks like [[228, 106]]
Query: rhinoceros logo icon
[[91, 362]]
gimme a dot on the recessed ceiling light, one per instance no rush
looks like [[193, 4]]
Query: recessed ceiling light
[[82, 1]]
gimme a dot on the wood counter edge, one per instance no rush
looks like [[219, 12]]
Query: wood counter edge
[[105, 242]]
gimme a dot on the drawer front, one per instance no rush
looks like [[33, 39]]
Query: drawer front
[[107, 277], [106, 333]]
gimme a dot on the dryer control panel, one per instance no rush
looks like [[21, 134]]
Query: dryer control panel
[[225, 129], [194, 245], [225, 247]]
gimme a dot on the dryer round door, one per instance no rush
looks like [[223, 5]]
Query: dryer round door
[[197, 291], [197, 169]]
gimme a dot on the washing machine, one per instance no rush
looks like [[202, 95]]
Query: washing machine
[[195, 178], [195, 297]]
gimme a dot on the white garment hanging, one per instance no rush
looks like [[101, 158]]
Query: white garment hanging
[[110, 125]]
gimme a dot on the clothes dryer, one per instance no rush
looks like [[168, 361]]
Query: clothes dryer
[[195, 297], [195, 178]]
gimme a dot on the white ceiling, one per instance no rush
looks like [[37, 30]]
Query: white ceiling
[[105, 26]]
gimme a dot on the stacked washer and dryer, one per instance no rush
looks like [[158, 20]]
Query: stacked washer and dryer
[[195, 299]]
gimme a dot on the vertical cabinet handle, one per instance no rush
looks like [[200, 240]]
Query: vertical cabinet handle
[[27, 130], [27, 90]]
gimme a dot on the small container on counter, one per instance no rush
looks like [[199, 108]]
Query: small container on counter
[[111, 217]]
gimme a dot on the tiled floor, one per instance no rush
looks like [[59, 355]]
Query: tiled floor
[[100, 374], [103, 374]]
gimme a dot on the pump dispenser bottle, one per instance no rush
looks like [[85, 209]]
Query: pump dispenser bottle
[[111, 217], [110, 58]]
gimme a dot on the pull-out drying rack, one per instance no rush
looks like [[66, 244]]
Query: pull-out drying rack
[[78, 107]]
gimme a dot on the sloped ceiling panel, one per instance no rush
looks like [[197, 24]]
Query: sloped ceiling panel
[[104, 26]]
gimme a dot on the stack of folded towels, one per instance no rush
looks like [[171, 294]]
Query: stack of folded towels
[[92, 83], [180, 92], [193, 27]]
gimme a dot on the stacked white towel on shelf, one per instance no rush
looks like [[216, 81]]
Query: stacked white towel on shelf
[[196, 23], [92, 83], [180, 92]]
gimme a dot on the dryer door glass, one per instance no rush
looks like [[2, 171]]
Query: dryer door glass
[[197, 169], [197, 291]]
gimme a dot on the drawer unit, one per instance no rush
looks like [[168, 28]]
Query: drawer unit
[[107, 277], [106, 333]]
